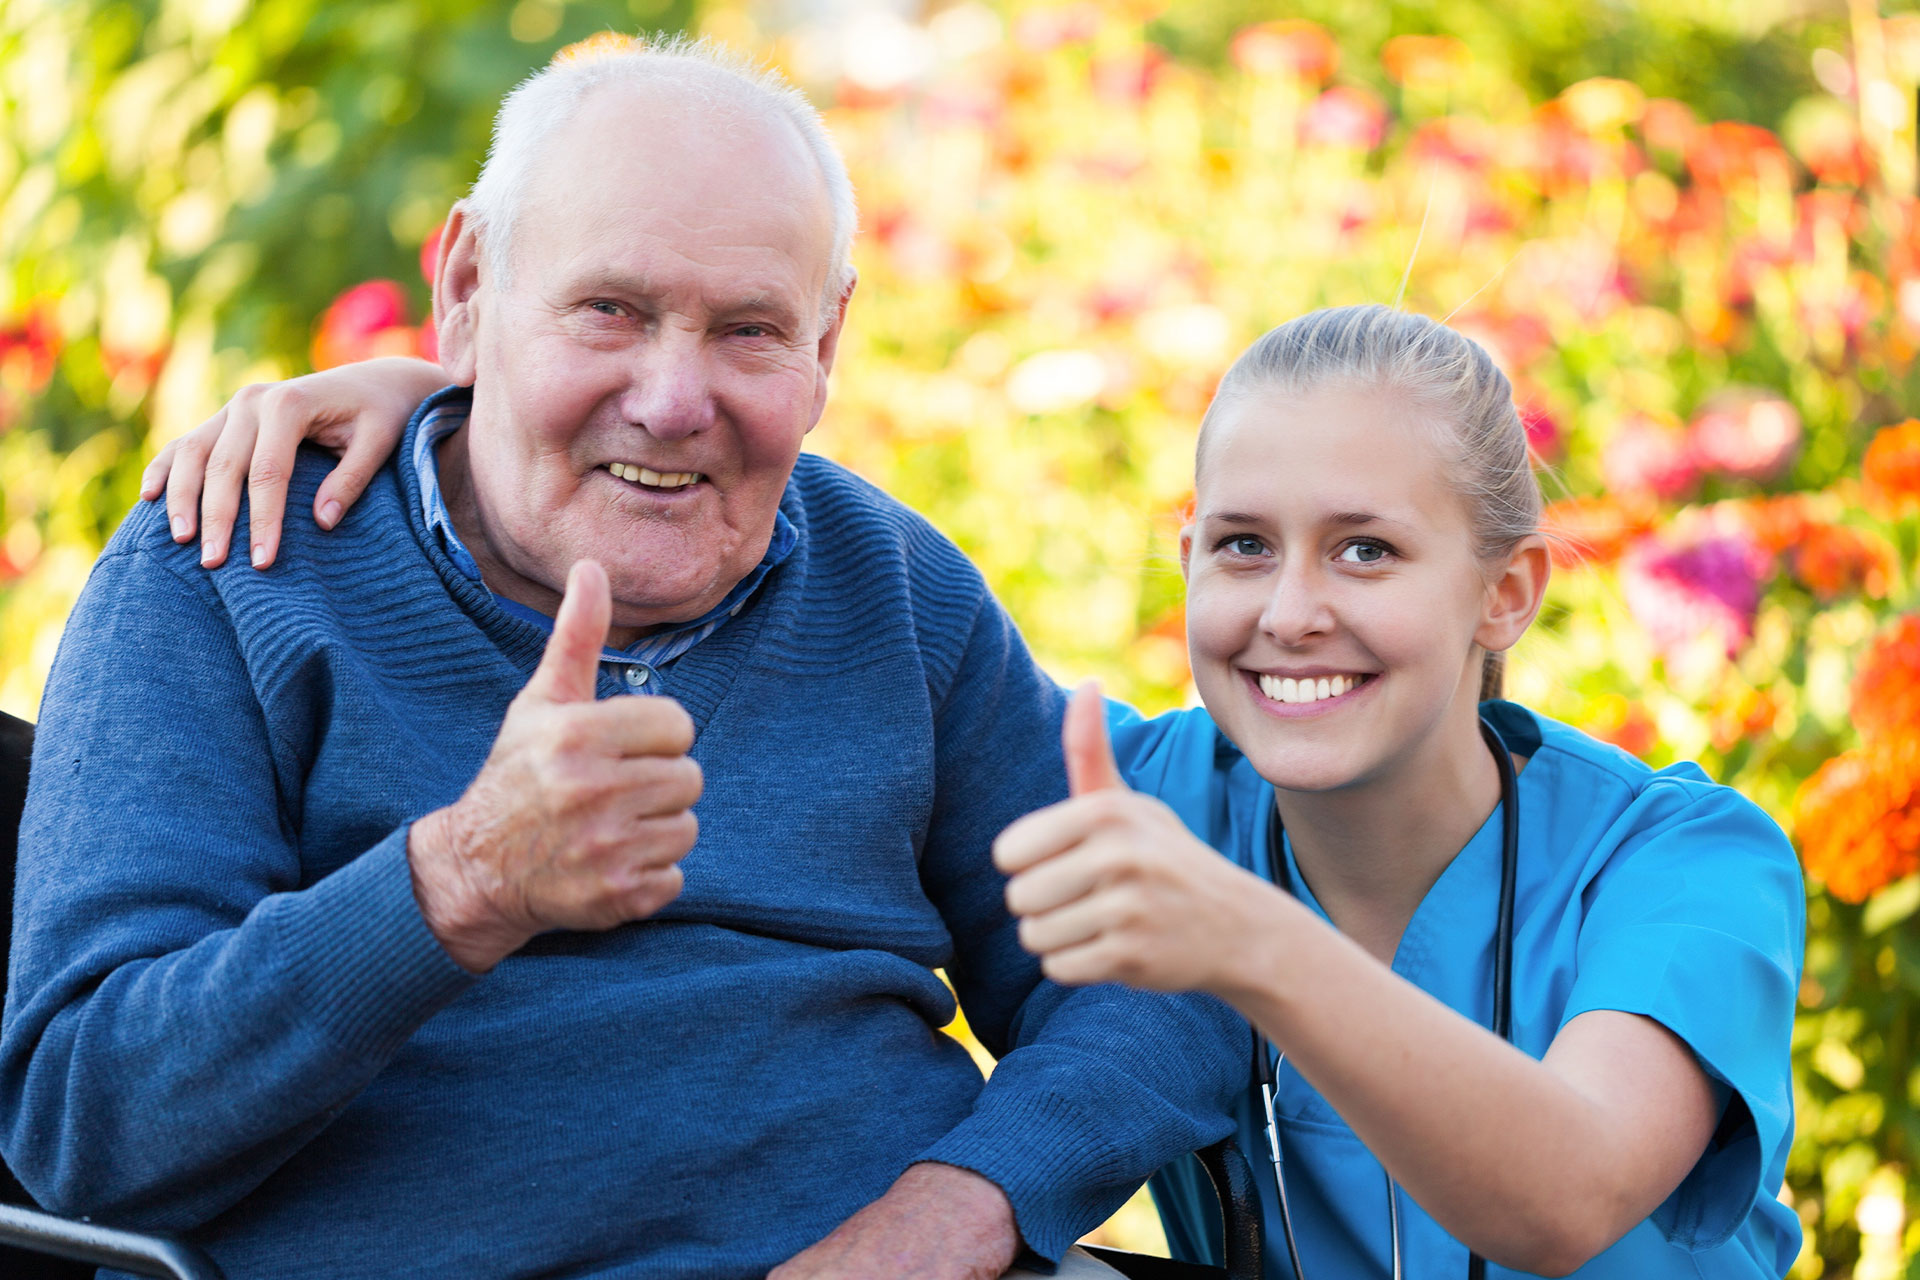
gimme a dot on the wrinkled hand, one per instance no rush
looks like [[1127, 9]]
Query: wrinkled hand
[[357, 410], [937, 1222], [1110, 886], [579, 815]]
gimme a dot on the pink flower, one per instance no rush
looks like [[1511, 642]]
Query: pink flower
[[1543, 433], [1750, 436], [1345, 116], [1645, 456], [1703, 593]]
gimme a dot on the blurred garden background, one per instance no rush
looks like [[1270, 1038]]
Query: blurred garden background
[[1688, 228]]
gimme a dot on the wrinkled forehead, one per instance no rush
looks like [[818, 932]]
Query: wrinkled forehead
[[683, 166]]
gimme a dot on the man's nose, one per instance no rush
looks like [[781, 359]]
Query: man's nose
[[1298, 606], [671, 394]]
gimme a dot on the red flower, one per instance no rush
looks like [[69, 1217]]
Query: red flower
[[1729, 153], [1592, 531], [1832, 560], [367, 320], [430, 254]]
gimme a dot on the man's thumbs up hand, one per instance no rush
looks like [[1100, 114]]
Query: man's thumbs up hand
[[570, 668], [1109, 884], [580, 814]]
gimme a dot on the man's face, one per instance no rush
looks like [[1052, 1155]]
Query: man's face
[[645, 376]]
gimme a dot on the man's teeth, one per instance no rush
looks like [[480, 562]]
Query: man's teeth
[[1287, 689], [654, 479]]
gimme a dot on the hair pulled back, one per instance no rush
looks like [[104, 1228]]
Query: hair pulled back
[[1451, 382]]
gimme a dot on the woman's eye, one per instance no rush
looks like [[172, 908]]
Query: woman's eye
[[1364, 552], [1243, 544]]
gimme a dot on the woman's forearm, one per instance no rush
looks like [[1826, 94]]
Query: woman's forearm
[[1536, 1165]]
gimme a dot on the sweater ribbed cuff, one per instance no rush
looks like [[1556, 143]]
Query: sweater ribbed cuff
[[1037, 1148], [364, 963]]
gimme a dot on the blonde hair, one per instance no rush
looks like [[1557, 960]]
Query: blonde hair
[[706, 73], [1465, 396]]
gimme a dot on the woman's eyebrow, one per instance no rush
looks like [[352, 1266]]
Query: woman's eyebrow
[[1231, 517]]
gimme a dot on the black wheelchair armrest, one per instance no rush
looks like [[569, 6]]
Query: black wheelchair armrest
[[130, 1251], [1239, 1221]]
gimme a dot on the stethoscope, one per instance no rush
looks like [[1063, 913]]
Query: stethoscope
[[1265, 1063]]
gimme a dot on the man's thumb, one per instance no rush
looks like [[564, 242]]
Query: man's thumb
[[571, 665], [1090, 765]]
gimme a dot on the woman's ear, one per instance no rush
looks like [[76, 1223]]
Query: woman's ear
[[1514, 595], [456, 285], [1186, 549]]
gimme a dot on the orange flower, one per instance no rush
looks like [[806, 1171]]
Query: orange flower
[[1886, 689], [1892, 466], [1833, 560], [1728, 152], [1778, 523], [1623, 723], [1858, 820], [1409, 58], [1584, 531], [1740, 712]]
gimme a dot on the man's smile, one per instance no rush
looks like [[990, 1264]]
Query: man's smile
[[654, 481]]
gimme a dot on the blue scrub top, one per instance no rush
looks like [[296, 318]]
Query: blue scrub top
[[1651, 892]]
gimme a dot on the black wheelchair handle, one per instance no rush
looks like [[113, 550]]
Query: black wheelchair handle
[[142, 1255]]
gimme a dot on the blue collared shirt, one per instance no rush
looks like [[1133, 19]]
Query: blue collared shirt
[[638, 665]]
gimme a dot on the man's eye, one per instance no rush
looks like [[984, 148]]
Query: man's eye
[[1365, 552], [606, 308], [751, 331]]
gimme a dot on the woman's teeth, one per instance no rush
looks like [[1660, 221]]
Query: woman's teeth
[[654, 479], [1287, 689]]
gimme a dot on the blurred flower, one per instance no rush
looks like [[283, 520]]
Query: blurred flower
[[1601, 103], [29, 349], [1126, 75], [368, 320], [601, 44], [1832, 560], [1858, 819], [1413, 58], [1044, 30], [1645, 457], [1777, 523], [1668, 125], [1345, 116], [1825, 135], [1886, 689], [1543, 432], [1730, 153], [1592, 531], [1751, 435], [1195, 334], [1291, 46], [1696, 597], [1740, 712], [1053, 381], [1891, 468], [1623, 722]]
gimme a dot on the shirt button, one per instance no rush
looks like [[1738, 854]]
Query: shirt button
[[637, 676]]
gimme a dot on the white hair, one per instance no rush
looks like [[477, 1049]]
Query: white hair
[[704, 72]]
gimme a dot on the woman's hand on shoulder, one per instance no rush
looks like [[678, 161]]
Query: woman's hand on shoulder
[[1110, 886], [357, 410]]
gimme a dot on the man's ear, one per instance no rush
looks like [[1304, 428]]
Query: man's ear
[[1515, 594], [456, 285], [830, 347]]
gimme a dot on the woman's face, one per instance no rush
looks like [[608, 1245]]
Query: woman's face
[[1334, 599]]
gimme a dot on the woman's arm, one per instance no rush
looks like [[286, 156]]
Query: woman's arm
[[1536, 1165], [359, 410]]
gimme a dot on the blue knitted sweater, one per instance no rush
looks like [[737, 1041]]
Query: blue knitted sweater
[[226, 1016]]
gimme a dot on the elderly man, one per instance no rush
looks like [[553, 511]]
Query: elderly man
[[363, 931]]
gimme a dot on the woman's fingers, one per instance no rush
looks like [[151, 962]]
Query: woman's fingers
[[1081, 920], [1061, 879], [186, 462], [268, 475], [1045, 832], [366, 450], [224, 479]]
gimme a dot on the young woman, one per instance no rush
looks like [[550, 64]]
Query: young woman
[[1521, 1004], [1582, 1070]]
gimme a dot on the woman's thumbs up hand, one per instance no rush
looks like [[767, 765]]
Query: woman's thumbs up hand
[[1109, 884]]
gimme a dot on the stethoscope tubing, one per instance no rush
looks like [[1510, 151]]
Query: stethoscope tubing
[[1265, 1063]]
